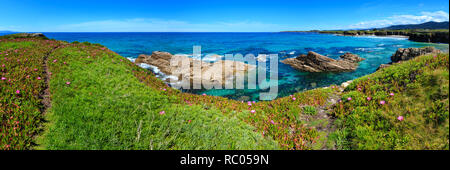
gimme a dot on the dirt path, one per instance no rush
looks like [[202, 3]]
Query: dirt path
[[323, 113], [45, 94]]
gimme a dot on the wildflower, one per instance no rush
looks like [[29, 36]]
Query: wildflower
[[189, 121], [349, 99], [294, 98], [3, 65], [55, 60], [249, 103], [271, 121], [434, 56], [369, 98], [35, 69], [162, 112], [252, 111], [400, 118], [68, 83], [382, 102], [65, 62], [3, 78], [164, 89], [359, 89], [38, 78], [253, 102], [204, 94], [391, 94], [18, 91]]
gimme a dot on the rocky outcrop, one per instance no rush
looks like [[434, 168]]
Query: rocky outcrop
[[162, 61], [314, 62], [28, 35], [403, 54], [351, 57], [432, 37], [25, 35], [383, 66]]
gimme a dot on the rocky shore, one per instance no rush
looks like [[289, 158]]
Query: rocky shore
[[403, 54], [160, 61], [313, 62]]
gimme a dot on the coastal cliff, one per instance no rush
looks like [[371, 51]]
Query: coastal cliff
[[439, 36]]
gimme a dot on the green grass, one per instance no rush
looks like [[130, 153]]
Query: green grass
[[420, 94], [106, 107]]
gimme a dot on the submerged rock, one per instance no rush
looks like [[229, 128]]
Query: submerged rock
[[207, 73], [403, 54], [314, 62]]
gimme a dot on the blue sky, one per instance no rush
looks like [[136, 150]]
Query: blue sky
[[213, 15]]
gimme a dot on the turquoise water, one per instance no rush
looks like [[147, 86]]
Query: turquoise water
[[376, 50]]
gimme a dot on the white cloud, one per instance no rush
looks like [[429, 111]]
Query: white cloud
[[159, 25], [438, 16]]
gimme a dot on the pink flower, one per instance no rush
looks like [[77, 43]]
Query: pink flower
[[35, 69], [249, 103], [369, 98], [294, 98], [3, 65], [252, 111], [68, 83], [359, 89], [164, 89], [391, 94], [253, 102], [382, 102], [204, 94], [162, 112], [3, 78], [38, 78], [400, 118], [65, 62], [349, 99], [271, 121], [434, 56], [18, 91], [189, 121], [55, 60]]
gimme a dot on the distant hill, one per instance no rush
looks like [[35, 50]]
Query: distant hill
[[5, 31], [426, 25]]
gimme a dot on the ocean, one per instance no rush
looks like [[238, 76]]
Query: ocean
[[376, 51]]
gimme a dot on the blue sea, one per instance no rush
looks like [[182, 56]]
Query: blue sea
[[376, 51]]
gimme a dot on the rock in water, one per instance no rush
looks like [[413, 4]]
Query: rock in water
[[229, 69], [403, 54], [314, 62], [352, 57]]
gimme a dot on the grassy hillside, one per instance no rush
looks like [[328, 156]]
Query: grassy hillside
[[84, 96], [404, 106]]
